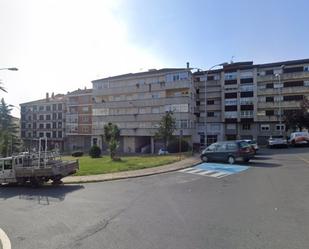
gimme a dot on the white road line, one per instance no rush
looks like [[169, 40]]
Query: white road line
[[185, 170], [219, 174], [194, 171], [208, 172], [4, 239]]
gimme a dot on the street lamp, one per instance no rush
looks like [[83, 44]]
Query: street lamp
[[278, 75], [206, 76], [10, 68]]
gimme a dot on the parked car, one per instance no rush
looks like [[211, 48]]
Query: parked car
[[299, 138], [163, 152], [228, 151], [253, 144], [277, 141]]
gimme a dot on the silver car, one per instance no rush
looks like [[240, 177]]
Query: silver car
[[277, 141]]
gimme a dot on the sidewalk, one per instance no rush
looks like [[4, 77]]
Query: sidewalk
[[185, 163]]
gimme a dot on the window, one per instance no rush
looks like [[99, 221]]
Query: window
[[54, 134], [48, 134], [210, 102], [54, 116], [59, 125], [306, 83], [231, 146], [265, 127], [230, 102], [41, 117], [41, 134], [34, 125], [59, 115], [246, 114], [48, 108], [177, 108], [231, 126], [7, 164], [101, 111], [270, 85], [246, 80], [29, 126], [155, 95], [29, 134], [59, 107], [35, 108], [47, 126], [41, 126], [269, 99], [306, 68], [293, 98], [230, 114], [246, 127], [246, 94], [54, 125], [230, 95], [85, 109], [210, 114], [293, 83], [269, 112], [246, 88], [59, 134], [269, 72], [47, 117], [293, 69], [278, 98], [246, 101], [280, 127], [230, 76], [261, 113], [230, 108], [211, 139], [41, 108], [54, 107]]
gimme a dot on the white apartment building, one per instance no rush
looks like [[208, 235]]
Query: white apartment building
[[136, 102]]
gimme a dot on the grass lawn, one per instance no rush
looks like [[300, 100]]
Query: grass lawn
[[94, 166]]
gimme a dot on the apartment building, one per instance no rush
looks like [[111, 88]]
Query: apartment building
[[78, 120], [43, 118], [136, 102], [246, 100]]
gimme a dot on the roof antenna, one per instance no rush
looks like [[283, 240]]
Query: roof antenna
[[232, 59]]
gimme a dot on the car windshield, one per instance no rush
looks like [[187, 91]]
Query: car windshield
[[273, 137], [243, 144]]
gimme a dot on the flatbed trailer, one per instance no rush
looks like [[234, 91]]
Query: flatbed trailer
[[32, 168]]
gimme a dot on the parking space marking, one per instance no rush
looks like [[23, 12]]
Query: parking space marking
[[217, 170], [4, 240], [303, 159]]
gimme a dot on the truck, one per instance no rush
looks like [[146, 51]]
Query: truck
[[35, 168]]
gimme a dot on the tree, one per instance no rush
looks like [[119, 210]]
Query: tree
[[166, 128], [111, 137], [298, 119], [9, 141], [2, 88]]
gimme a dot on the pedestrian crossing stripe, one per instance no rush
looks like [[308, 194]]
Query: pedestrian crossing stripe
[[217, 170]]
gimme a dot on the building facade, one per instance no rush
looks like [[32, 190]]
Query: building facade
[[78, 120], [248, 101], [136, 103], [44, 118]]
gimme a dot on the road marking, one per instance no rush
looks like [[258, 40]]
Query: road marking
[[217, 170], [303, 159], [4, 239]]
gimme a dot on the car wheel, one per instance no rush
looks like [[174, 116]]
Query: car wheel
[[231, 160], [204, 159], [246, 160]]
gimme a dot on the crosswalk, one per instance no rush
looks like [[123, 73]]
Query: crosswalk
[[216, 170]]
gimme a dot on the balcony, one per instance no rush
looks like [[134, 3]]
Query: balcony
[[283, 90], [275, 105], [284, 76]]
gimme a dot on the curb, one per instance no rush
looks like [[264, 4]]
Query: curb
[[4, 240], [130, 174]]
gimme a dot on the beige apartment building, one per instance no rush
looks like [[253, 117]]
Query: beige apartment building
[[249, 101], [136, 102], [78, 120]]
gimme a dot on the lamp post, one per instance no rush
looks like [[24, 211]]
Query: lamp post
[[278, 75], [10, 68], [206, 76]]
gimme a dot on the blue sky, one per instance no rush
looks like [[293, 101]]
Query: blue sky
[[60, 46], [207, 32]]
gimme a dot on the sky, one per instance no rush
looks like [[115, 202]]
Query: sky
[[62, 45]]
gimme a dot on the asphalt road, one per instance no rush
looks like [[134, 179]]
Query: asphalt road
[[266, 206]]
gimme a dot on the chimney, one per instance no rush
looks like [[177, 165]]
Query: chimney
[[188, 65], [52, 95], [47, 96], [85, 88]]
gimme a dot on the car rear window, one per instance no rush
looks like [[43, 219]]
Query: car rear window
[[243, 144]]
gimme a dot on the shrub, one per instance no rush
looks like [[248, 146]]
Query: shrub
[[95, 151], [173, 146], [77, 154]]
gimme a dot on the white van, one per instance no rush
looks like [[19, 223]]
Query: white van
[[301, 137]]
